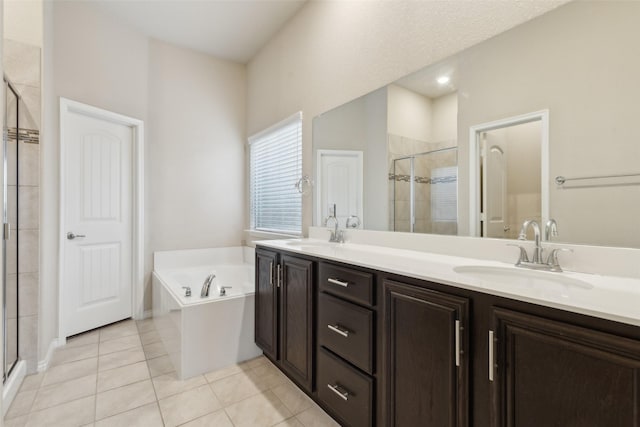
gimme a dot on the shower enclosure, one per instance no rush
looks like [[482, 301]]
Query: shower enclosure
[[11, 135], [424, 192]]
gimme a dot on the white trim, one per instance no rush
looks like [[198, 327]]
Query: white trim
[[148, 314], [12, 385], [474, 131], [292, 118], [43, 365], [137, 301], [359, 155]]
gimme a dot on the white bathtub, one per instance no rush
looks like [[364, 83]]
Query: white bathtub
[[204, 334]]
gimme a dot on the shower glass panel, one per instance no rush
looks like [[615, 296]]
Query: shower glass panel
[[10, 230], [425, 197], [402, 200]]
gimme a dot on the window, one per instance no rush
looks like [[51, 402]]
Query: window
[[275, 165]]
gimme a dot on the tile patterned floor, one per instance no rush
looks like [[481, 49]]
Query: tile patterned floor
[[120, 375]]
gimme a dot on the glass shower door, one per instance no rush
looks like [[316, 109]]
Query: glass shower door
[[402, 195], [10, 230]]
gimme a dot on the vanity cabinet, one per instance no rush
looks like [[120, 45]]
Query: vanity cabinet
[[284, 313], [426, 358], [382, 349], [549, 373], [347, 343], [266, 303]]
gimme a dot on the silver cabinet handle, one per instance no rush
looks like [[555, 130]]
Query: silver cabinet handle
[[271, 273], [344, 395], [457, 327], [278, 278], [338, 330], [72, 236], [491, 355], [338, 282]]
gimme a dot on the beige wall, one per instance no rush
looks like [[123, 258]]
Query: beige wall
[[196, 143], [193, 109], [332, 52], [548, 63], [409, 114], [445, 118], [23, 21]]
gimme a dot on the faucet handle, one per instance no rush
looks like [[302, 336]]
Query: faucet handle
[[523, 253], [187, 291], [552, 259]]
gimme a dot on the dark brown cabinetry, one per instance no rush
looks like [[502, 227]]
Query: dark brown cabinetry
[[381, 349], [346, 343], [426, 361], [266, 300], [284, 313], [296, 319], [549, 373]]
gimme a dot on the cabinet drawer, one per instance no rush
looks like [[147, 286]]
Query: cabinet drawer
[[345, 282], [347, 392], [347, 330]]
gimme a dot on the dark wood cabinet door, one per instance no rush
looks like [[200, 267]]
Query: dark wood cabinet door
[[549, 373], [266, 301], [424, 384], [296, 319]]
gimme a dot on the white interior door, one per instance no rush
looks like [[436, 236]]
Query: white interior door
[[97, 222], [495, 200], [339, 182]]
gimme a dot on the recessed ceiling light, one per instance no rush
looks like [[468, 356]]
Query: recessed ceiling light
[[443, 80]]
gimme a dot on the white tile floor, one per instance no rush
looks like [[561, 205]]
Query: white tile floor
[[120, 375]]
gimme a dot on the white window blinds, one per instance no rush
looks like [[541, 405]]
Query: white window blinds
[[275, 165]]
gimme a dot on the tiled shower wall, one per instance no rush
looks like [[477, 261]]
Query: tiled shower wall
[[399, 192], [22, 67]]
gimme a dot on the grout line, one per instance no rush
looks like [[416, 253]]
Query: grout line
[[95, 400], [153, 385]]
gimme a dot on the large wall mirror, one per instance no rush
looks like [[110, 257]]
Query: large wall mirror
[[539, 122]]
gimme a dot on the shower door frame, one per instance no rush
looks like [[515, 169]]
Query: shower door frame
[[412, 202], [5, 225]]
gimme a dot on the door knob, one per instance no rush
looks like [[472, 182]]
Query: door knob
[[72, 236]]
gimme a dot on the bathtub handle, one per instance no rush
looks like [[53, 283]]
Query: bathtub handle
[[338, 282], [271, 273]]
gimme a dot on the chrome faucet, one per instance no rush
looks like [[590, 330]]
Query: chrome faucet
[[537, 263], [207, 285], [537, 252], [550, 230], [337, 235], [223, 290]]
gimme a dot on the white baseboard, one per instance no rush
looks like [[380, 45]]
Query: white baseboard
[[147, 314], [43, 365], [12, 385]]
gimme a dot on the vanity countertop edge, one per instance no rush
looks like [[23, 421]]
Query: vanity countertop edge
[[611, 297]]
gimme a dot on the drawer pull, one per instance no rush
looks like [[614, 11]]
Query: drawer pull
[[344, 395], [338, 330], [338, 282]]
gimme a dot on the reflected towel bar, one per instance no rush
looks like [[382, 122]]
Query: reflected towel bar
[[560, 180]]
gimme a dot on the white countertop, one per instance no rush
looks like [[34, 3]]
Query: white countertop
[[607, 297]]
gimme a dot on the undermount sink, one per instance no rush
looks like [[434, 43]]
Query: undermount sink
[[309, 244], [539, 280]]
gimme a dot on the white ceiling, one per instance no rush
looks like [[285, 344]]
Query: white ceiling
[[228, 29]]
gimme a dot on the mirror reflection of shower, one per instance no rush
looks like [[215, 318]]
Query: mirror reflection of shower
[[424, 196], [10, 138]]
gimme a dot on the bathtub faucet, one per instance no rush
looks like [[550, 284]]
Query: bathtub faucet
[[207, 285]]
